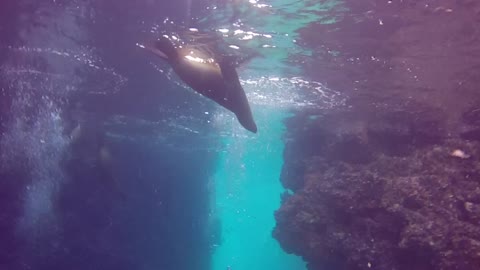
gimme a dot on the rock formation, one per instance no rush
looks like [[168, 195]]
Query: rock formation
[[391, 181]]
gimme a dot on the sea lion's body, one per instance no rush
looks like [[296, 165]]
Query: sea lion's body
[[209, 74]]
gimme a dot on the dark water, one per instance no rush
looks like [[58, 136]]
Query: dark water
[[366, 155]]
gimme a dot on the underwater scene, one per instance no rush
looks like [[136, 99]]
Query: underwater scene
[[239, 135]]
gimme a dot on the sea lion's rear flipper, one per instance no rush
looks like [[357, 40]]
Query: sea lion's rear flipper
[[236, 95]]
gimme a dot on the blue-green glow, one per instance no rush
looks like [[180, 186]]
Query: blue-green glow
[[247, 194], [247, 181]]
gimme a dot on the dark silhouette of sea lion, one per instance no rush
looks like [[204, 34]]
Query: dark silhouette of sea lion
[[208, 73]]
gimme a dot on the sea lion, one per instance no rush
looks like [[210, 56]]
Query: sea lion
[[211, 74]]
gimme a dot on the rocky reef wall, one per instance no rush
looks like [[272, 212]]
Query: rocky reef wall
[[392, 180]]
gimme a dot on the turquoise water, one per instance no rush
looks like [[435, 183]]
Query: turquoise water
[[247, 192], [247, 182]]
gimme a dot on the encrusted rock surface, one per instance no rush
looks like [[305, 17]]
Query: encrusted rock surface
[[415, 209], [391, 181]]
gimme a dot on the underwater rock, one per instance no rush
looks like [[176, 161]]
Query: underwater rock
[[415, 212], [391, 181], [340, 137], [471, 118], [398, 132], [357, 137]]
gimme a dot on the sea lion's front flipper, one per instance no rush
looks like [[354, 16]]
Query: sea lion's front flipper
[[162, 47], [158, 53], [151, 48], [236, 95]]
